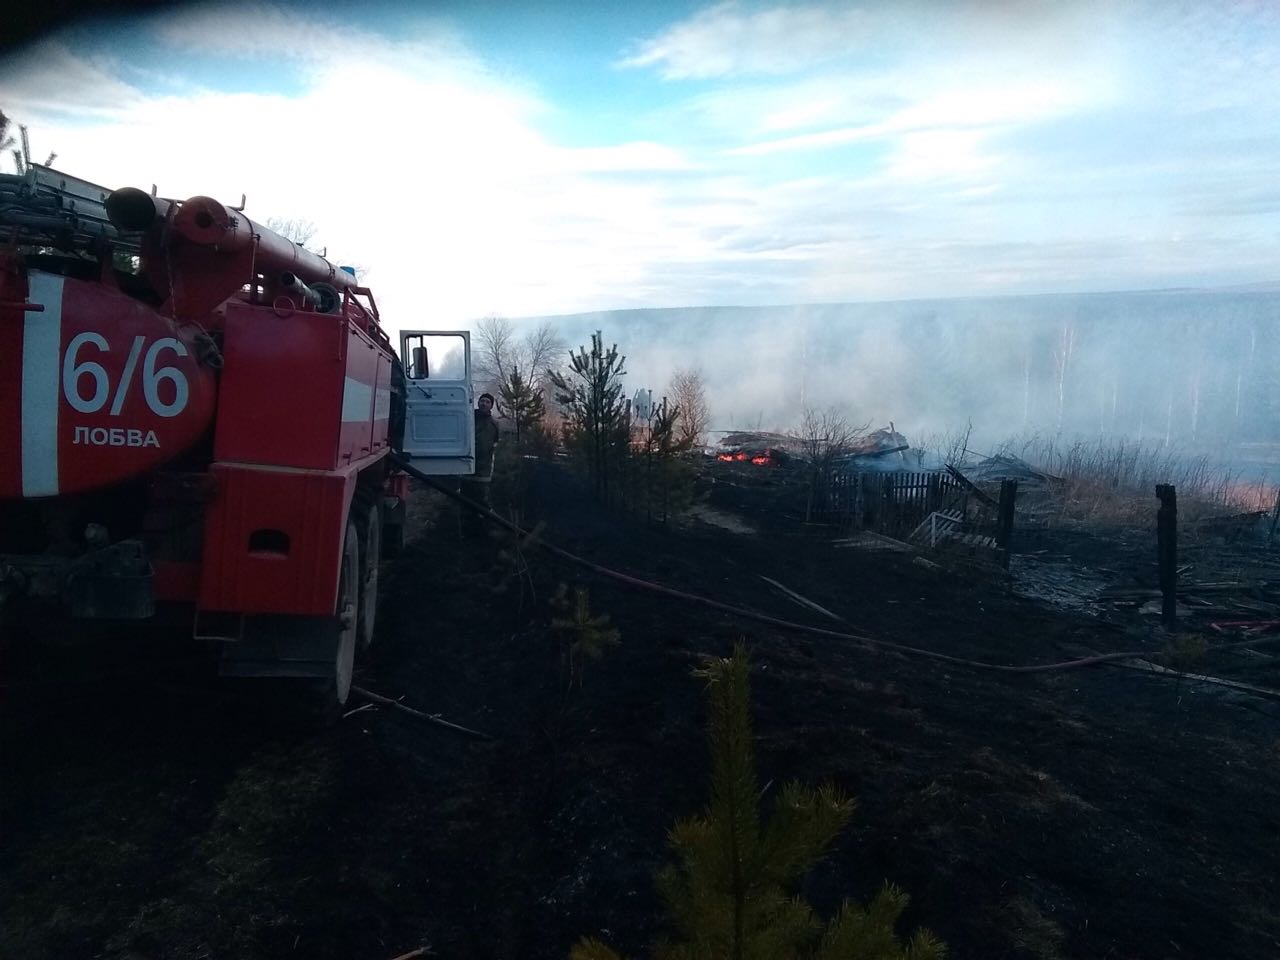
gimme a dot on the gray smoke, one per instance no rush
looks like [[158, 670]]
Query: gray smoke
[[1196, 369]]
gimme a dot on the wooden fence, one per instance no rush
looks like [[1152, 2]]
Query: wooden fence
[[893, 504]]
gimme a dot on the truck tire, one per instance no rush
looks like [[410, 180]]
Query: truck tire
[[347, 612], [370, 554]]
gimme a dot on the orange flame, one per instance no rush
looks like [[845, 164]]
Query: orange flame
[[741, 456]]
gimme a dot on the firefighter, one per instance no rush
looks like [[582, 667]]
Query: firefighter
[[476, 487]]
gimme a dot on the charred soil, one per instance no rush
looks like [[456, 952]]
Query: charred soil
[[1088, 813]]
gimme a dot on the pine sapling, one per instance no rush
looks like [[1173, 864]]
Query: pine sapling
[[583, 636], [521, 401], [596, 424], [729, 894], [515, 556]]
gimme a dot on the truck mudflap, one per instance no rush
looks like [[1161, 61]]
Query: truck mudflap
[[280, 646], [115, 582]]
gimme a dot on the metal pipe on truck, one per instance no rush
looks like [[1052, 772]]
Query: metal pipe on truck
[[210, 223], [207, 222], [133, 211]]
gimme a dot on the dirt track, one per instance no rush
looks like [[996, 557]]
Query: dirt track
[[1087, 814]]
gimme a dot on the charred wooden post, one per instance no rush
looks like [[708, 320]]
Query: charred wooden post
[[1004, 514], [888, 522], [1167, 551]]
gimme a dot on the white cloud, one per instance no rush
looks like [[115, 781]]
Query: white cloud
[[730, 39], [48, 77], [436, 171], [994, 104], [817, 141], [944, 135], [432, 175], [941, 153], [271, 31], [248, 31], [626, 157]]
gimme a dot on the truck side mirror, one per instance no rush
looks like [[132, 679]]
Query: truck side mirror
[[418, 369]]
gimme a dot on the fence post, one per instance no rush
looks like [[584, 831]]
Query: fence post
[[1167, 551], [1004, 517], [1275, 518], [884, 513]]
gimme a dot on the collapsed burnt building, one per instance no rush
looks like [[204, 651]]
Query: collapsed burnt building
[[1003, 466], [758, 448], [880, 451], [882, 486]]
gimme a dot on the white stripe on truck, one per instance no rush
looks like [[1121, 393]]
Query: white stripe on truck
[[357, 401], [41, 379]]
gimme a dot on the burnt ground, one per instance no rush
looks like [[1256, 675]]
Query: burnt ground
[[1091, 813]]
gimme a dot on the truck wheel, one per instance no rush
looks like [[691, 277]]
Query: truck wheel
[[369, 581], [347, 612]]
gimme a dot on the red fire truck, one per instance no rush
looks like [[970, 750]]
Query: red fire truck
[[197, 414]]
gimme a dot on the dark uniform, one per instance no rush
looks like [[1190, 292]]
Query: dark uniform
[[476, 487]]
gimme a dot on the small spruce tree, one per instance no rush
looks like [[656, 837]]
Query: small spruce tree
[[595, 419], [584, 635], [514, 557], [520, 401], [727, 896], [662, 481]]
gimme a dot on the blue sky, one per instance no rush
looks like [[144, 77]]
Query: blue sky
[[547, 158]]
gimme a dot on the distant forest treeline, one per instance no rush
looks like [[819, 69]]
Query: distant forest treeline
[[1198, 368]]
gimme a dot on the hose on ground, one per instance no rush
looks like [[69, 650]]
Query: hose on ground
[[764, 618]]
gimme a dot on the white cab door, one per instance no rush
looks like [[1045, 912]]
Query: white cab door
[[439, 427]]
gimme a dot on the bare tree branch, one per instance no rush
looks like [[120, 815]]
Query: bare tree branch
[[688, 392], [543, 348], [296, 229], [495, 350], [499, 350], [824, 436]]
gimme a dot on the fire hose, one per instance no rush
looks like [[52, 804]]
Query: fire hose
[[748, 614]]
